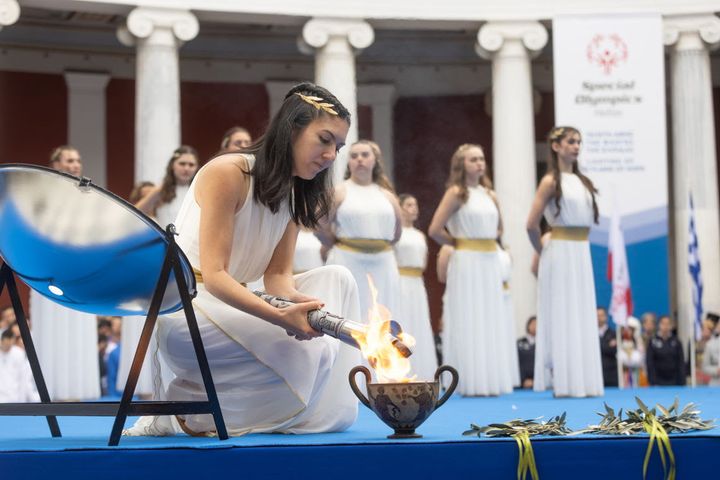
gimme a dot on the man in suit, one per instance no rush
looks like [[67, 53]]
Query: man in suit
[[608, 349]]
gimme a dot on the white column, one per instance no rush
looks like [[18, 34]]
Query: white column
[[277, 89], [381, 98], [336, 41], [9, 12], [694, 167], [510, 46], [86, 121], [157, 33]]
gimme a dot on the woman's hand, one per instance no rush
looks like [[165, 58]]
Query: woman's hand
[[294, 320]]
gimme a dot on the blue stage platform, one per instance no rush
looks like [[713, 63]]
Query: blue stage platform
[[28, 452]]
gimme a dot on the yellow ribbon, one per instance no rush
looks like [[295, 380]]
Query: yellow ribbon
[[476, 244], [364, 245], [659, 435], [526, 458]]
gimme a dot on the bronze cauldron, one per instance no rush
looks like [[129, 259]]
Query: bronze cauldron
[[403, 406]]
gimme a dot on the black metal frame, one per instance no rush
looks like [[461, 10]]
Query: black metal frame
[[126, 407]]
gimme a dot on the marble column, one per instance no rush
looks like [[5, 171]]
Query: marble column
[[511, 46], [86, 121], [157, 34], [381, 98], [694, 165], [335, 43], [9, 12]]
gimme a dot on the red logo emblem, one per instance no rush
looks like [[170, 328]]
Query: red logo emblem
[[607, 51]]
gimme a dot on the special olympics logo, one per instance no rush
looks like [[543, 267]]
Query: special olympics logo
[[607, 51]]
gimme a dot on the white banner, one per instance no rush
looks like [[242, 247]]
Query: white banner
[[609, 83]]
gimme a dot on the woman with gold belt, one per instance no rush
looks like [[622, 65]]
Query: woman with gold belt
[[567, 354], [468, 218], [363, 225], [411, 254]]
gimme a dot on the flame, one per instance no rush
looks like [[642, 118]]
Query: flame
[[376, 345]]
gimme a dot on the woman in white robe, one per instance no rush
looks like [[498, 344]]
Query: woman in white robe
[[468, 219], [411, 253], [162, 203], [363, 225], [239, 221], [65, 339], [567, 353]]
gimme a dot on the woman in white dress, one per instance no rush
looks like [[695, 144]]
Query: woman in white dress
[[508, 324], [468, 218], [239, 221], [162, 203], [65, 339], [411, 253], [567, 354], [363, 225]]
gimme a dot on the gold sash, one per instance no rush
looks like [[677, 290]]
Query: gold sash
[[363, 245], [506, 286], [476, 244], [410, 271], [574, 234]]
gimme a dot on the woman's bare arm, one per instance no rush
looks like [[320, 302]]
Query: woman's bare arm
[[542, 197], [449, 204]]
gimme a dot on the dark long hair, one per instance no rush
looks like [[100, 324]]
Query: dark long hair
[[167, 189], [555, 136], [309, 200]]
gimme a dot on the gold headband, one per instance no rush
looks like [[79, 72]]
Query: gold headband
[[556, 133], [318, 103]]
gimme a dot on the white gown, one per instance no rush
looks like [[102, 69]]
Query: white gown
[[567, 354], [366, 213], [266, 381], [307, 252], [132, 326], [66, 345], [474, 306], [414, 315], [510, 342]]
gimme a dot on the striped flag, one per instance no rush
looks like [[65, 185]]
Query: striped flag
[[621, 304], [695, 272]]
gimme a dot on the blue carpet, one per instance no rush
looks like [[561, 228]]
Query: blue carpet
[[26, 445], [445, 425]]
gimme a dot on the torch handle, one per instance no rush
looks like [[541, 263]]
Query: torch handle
[[320, 320]]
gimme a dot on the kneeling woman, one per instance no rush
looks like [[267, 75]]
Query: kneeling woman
[[239, 221]]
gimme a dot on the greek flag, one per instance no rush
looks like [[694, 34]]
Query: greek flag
[[695, 272]]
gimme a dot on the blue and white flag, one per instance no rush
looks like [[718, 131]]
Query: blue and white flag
[[695, 272]]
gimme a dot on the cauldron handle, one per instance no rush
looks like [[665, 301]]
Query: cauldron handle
[[353, 385], [449, 391]]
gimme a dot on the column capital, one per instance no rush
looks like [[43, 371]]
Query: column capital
[[691, 32], [9, 12], [377, 94], [493, 36], [142, 22], [86, 81], [317, 32]]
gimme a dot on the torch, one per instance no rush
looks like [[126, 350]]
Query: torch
[[340, 328]]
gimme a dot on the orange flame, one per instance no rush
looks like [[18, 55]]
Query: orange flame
[[376, 345]]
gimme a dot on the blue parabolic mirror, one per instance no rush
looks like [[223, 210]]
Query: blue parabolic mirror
[[80, 245]]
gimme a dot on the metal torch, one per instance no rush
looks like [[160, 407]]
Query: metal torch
[[338, 327]]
